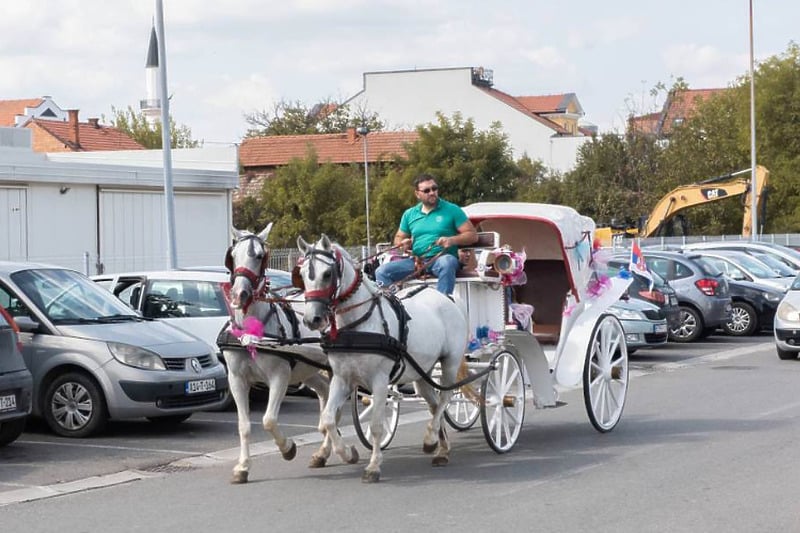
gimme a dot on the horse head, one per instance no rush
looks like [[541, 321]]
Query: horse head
[[246, 260], [321, 270]]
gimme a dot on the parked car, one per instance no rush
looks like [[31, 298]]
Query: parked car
[[16, 382], [702, 290], [753, 307], [644, 324], [780, 268], [788, 256], [660, 293], [741, 266], [93, 359], [787, 323]]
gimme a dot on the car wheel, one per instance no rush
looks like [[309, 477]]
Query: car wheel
[[11, 430], [786, 355], [169, 420], [743, 320], [74, 406], [690, 326]]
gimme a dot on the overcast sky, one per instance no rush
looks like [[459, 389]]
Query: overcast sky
[[229, 57]]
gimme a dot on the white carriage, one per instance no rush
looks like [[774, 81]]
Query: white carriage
[[572, 340]]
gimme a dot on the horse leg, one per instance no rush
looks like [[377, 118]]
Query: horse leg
[[278, 383], [240, 390], [450, 367], [430, 439], [339, 392], [319, 384], [380, 390]]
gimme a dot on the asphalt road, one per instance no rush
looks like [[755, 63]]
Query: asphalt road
[[706, 444]]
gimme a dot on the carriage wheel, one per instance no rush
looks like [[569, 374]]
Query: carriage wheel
[[605, 374], [362, 415], [461, 412], [503, 402]]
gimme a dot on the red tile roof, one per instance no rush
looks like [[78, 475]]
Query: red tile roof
[[92, 138], [549, 103], [277, 150], [647, 124], [9, 109], [681, 105], [519, 106]]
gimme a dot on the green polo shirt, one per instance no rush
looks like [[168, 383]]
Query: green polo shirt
[[425, 228]]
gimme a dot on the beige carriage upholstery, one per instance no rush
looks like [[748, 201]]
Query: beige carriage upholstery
[[548, 279]]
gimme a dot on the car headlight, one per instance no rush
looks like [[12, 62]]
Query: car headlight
[[773, 296], [626, 314], [788, 313], [136, 356]]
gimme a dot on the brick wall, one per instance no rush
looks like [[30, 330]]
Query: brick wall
[[251, 182], [43, 141]]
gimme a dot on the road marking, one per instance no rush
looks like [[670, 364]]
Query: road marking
[[105, 447], [228, 455]]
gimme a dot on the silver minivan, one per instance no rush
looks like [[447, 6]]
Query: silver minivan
[[93, 359]]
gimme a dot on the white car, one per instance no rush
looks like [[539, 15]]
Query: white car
[[788, 256], [787, 323], [743, 266]]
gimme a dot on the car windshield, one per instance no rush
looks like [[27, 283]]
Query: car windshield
[[780, 268], [67, 296], [754, 266], [708, 268]]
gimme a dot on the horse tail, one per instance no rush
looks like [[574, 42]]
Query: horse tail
[[467, 389]]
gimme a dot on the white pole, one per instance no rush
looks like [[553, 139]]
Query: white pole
[[363, 131], [169, 199], [753, 191]]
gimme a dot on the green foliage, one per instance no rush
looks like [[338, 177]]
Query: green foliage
[[536, 183], [294, 118], [149, 135]]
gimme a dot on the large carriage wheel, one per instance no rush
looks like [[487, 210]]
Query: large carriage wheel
[[461, 412], [362, 415], [605, 374], [503, 402]]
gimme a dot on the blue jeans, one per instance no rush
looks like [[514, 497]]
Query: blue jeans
[[444, 268]]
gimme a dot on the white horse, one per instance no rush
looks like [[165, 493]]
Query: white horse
[[267, 321], [338, 296]]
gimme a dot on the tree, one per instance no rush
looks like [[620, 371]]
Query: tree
[[150, 135], [294, 118]]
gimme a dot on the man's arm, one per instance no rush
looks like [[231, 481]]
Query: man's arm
[[403, 239], [466, 235]]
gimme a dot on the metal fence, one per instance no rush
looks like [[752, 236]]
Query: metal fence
[[286, 258]]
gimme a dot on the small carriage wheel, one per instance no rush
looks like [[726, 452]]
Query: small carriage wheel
[[362, 414], [503, 402], [461, 412], [605, 374]]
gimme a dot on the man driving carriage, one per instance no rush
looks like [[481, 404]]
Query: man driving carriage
[[433, 229]]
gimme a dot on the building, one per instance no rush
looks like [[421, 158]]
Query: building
[[543, 128], [679, 106], [104, 210], [260, 157]]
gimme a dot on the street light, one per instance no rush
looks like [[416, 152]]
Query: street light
[[754, 195], [363, 131]]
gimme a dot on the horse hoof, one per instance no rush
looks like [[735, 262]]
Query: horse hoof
[[239, 478], [290, 453], [440, 461], [354, 456], [317, 462], [370, 477], [429, 448]]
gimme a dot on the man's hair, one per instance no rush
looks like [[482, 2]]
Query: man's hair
[[422, 177]]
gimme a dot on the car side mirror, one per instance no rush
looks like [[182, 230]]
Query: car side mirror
[[27, 324]]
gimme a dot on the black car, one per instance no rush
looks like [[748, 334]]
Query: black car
[[753, 307], [16, 383], [661, 294]]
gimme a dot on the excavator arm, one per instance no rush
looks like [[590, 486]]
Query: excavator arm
[[707, 191]]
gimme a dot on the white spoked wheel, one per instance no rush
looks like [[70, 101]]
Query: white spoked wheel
[[461, 412], [503, 403], [362, 416], [605, 374]]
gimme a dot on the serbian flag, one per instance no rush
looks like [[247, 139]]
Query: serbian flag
[[638, 264]]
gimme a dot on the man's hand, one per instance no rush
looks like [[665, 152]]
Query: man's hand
[[445, 242]]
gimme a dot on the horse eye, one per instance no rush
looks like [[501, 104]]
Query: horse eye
[[326, 275]]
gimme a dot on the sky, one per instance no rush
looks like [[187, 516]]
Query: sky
[[226, 58]]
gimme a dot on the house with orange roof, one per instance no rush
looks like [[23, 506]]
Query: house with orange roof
[[543, 128], [260, 157], [679, 106], [14, 113]]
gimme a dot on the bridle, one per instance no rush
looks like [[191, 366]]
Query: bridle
[[257, 279]]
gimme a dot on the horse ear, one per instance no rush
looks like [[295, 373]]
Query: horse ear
[[236, 234], [325, 241], [302, 245], [264, 234]]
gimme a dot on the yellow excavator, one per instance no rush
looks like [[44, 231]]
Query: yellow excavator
[[686, 196]]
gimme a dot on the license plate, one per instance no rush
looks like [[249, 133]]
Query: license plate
[[201, 385], [8, 403], [660, 328], [673, 300]]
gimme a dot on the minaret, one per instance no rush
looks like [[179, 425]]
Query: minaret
[[151, 105]]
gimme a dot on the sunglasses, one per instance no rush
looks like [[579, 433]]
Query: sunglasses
[[429, 189]]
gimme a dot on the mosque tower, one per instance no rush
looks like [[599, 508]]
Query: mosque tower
[[151, 105]]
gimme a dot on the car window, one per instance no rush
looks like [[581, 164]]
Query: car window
[[659, 266], [184, 298], [706, 267], [682, 271], [756, 267], [726, 267]]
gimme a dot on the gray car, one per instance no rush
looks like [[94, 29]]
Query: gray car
[[702, 290], [93, 359], [644, 324], [16, 382]]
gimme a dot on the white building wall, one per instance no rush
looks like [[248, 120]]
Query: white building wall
[[406, 99]]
